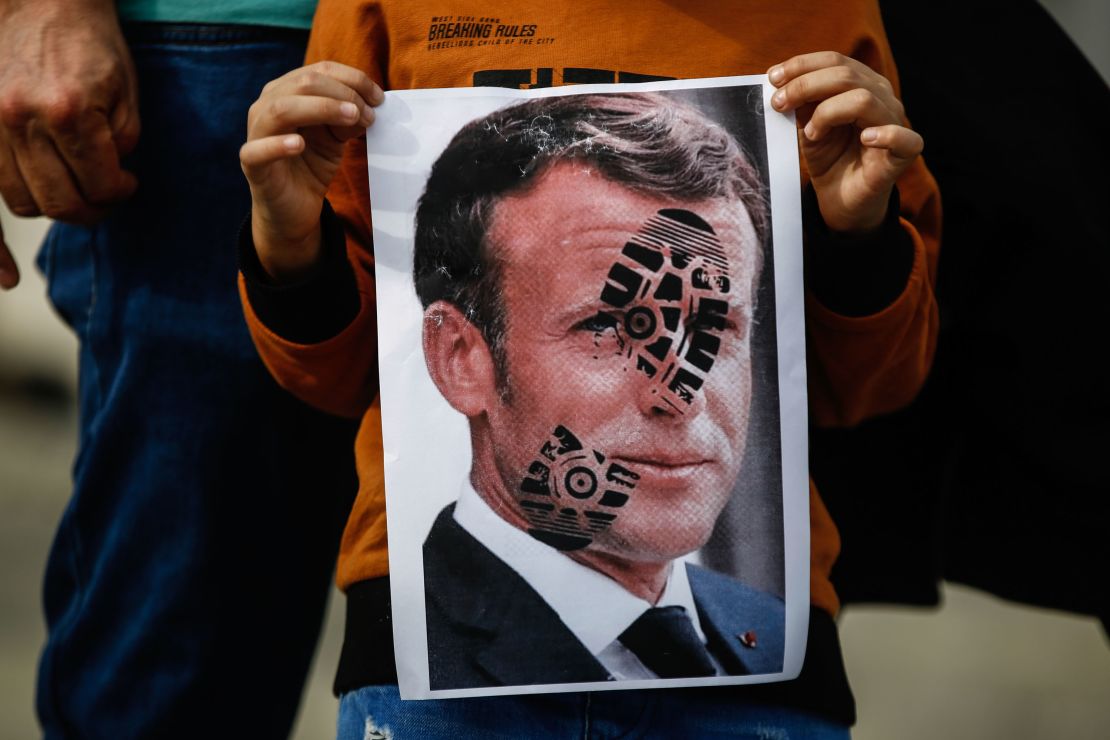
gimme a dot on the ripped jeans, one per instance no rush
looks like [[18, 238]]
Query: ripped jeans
[[377, 713]]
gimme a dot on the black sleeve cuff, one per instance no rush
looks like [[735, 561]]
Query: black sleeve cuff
[[856, 275], [318, 306]]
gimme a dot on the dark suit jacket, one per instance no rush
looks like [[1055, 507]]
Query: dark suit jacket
[[488, 627]]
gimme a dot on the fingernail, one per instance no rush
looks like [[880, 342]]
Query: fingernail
[[291, 142], [869, 135], [810, 132], [776, 74], [367, 114], [349, 110], [779, 99]]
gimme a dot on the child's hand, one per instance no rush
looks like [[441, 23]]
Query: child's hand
[[295, 136], [854, 140]]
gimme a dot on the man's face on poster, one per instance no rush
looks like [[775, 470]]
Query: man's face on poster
[[624, 406]]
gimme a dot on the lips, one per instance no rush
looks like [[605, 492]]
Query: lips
[[669, 473], [662, 461]]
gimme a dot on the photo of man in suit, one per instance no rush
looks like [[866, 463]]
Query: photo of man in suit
[[588, 267]]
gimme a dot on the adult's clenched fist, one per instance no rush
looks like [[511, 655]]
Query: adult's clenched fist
[[68, 111]]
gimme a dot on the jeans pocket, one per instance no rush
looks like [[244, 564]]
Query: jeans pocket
[[67, 261]]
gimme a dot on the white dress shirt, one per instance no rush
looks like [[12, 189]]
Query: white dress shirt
[[594, 607]]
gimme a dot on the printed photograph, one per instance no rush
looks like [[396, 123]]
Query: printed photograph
[[595, 276]]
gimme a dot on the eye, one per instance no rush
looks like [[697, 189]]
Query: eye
[[598, 323]]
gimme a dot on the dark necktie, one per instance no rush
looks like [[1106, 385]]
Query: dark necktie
[[664, 640]]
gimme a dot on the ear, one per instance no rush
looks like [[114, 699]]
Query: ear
[[458, 359]]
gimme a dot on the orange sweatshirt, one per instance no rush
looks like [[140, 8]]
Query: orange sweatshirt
[[858, 366]]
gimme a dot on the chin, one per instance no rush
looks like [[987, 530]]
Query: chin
[[658, 545]]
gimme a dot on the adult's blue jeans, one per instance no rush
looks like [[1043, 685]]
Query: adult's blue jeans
[[377, 713], [187, 579]]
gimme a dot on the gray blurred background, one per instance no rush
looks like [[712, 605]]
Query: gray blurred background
[[976, 668]]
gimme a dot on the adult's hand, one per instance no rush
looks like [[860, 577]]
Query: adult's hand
[[295, 136], [854, 138], [68, 108]]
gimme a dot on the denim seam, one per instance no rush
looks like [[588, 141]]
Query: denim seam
[[62, 630], [76, 549], [94, 366]]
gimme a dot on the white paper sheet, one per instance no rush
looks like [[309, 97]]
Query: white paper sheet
[[480, 643]]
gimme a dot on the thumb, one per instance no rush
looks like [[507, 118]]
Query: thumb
[[124, 123], [9, 271], [123, 120]]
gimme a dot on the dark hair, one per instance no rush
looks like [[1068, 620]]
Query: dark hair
[[651, 143]]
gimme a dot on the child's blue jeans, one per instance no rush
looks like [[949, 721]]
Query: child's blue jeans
[[377, 713]]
